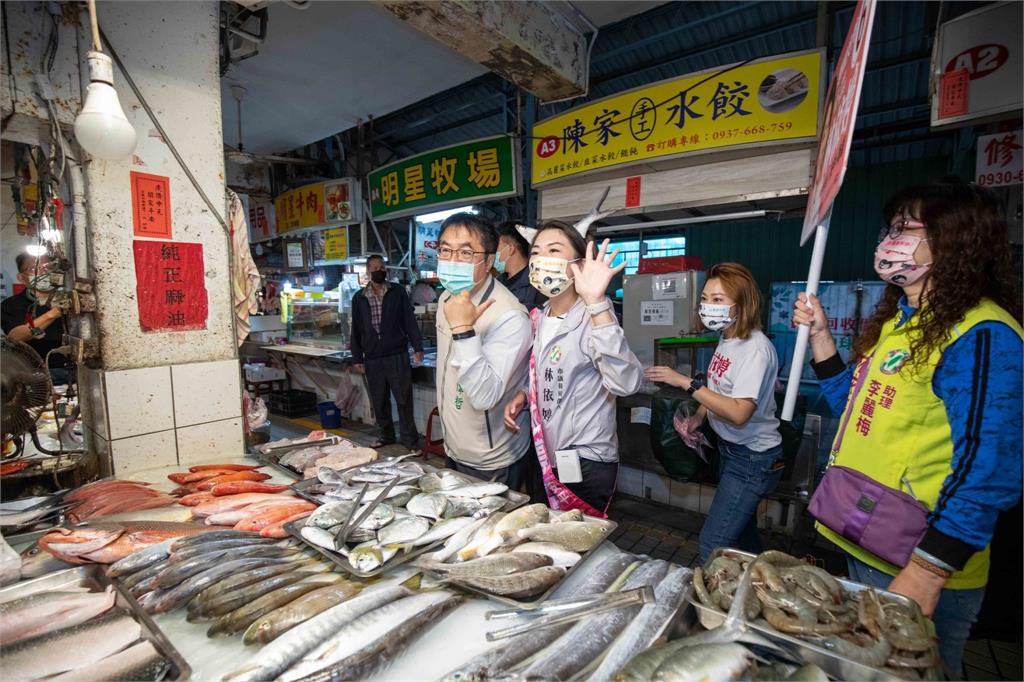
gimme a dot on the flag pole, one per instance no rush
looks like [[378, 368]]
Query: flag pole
[[803, 332]]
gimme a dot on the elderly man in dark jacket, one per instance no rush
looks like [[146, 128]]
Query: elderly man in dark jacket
[[383, 328]]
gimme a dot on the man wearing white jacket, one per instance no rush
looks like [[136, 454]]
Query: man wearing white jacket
[[483, 343]]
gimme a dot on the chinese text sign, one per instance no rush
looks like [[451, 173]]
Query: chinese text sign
[[764, 101], [1000, 159], [151, 205], [170, 286], [457, 174]]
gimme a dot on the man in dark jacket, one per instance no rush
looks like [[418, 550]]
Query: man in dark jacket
[[513, 271], [383, 328]]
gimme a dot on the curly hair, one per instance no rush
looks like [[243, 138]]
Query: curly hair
[[968, 236]]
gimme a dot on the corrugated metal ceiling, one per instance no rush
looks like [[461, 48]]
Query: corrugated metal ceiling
[[684, 37]]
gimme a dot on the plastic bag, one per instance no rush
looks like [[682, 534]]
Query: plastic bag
[[256, 412], [681, 462]]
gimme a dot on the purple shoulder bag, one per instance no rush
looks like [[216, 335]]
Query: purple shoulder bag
[[888, 523]]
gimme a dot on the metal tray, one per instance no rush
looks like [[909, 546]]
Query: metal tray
[[520, 603], [93, 577], [835, 666], [273, 462], [273, 457], [301, 488]]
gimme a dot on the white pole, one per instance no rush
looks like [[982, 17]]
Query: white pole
[[803, 333]]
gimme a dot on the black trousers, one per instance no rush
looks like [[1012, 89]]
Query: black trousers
[[598, 484], [389, 376], [514, 475]]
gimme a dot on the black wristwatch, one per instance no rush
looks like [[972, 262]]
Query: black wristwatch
[[464, 335], [697, 383]]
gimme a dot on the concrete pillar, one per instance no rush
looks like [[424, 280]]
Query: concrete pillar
[[165, 397], [528, 43]]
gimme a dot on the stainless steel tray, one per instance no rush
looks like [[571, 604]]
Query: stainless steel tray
[[96, 580], [273, 462], [272, 458], [301, 488], [521, 603], [834, 665]]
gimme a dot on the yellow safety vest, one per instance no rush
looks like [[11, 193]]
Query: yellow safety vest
[[895, 430]]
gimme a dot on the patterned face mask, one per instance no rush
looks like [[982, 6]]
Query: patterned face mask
[[895, 263], [550, 275], [715, 316]]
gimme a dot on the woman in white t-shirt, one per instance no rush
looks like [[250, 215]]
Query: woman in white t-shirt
[[738, 397]]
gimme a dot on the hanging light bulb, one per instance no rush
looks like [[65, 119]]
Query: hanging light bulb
[[35, 250], [318, 280], [287, 286], [101, 127]]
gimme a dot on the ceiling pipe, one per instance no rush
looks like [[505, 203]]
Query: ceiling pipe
[[680, 222]]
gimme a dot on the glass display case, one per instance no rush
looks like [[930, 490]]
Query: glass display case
[[316, 318]]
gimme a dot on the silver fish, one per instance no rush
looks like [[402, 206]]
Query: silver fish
[[36, 562], [369, 556], [331, 514], [493, 663], [356, 649], [481, 536], [710, 662], [453, 479], [488, 566], [524, 517], [429, 505], [319, 537], [562, 517], [403, 530], [456, 542], [589, 638], [515, 585], [138, 662], [382, 515], [43, 612], [578, 536], [442, 530], [476, 490], [560, 556], [669, 596], [429, 483], [280, 654], [139, 560]]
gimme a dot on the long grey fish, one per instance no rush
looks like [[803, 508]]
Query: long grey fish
[[186, 591], [236, 599], [491, 565], [240, 619], [359, 647], [244, 578], [176, 573], [211, 536], [280, 654], [589, 638], [669, 597], [141, 582], [496, 661], [132, 563], [232, 543], [282, 619], [515, 585]]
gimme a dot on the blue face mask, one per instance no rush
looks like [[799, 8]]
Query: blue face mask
[[455, 276], [499, 264]]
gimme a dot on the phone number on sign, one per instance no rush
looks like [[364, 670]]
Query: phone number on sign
[[749, 130], [1000, 178]]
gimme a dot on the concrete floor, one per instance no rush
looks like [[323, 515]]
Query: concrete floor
[[668, 533]]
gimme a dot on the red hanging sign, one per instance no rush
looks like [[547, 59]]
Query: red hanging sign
[[633, 192], [151, 205], [170, 288], [953, 87]]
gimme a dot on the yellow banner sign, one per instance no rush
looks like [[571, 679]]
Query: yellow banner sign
[[299, 208], [336, 244], [770, 100]]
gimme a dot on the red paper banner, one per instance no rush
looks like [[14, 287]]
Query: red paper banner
[[953, 87], [633, 192], [151, 205], [170, 288]]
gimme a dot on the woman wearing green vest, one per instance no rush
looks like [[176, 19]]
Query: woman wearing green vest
[[931, 408]]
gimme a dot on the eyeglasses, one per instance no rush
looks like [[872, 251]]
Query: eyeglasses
[[895, 230], [462, 255]]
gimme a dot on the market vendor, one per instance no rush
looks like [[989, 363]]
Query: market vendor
[[737, 396], [27, 318], [383, 329], [931, 407], [483, 340], [580, 362], [510, 262]]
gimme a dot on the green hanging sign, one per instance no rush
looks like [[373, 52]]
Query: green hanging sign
[[442, 178]]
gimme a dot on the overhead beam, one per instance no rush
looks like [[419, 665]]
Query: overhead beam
[[527, 43]]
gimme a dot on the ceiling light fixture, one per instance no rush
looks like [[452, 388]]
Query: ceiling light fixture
[[101, 126]]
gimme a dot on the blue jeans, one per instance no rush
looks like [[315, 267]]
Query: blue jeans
[[956, 612], [746, 477]]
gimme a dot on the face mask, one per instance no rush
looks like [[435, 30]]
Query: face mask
[[715, 316], [499, 264], [378, 276], [894, 260], [456, 277], [549, 275]]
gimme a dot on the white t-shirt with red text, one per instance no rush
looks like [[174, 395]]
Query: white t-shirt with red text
[[746, 368]]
